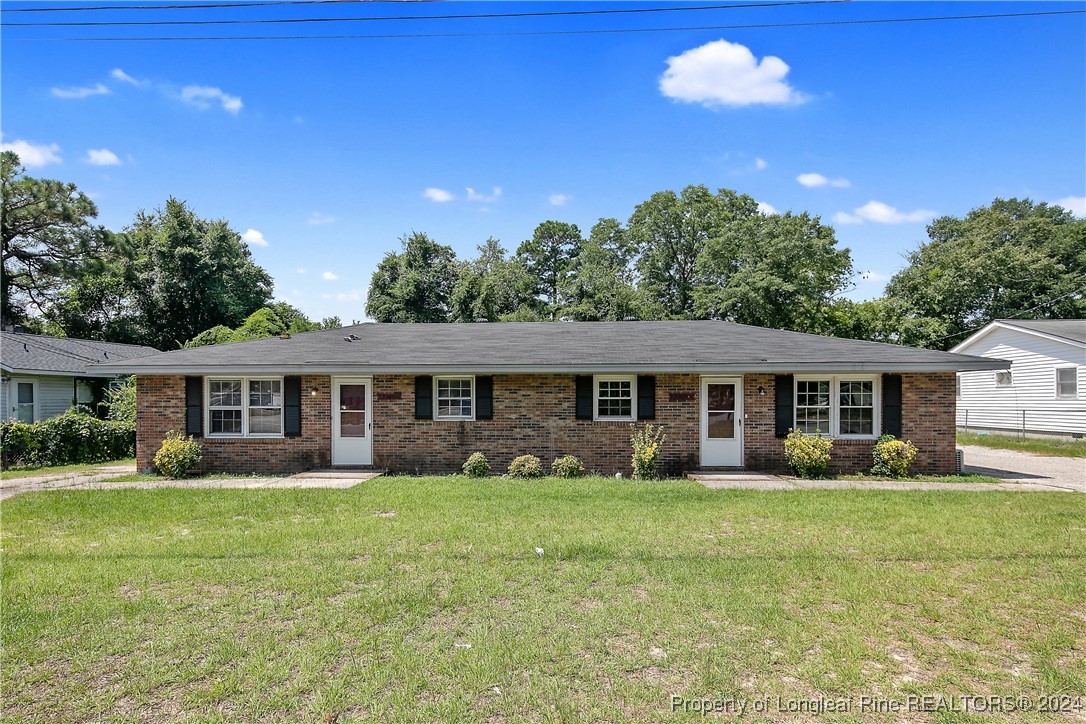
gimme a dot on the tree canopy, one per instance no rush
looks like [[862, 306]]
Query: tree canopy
[[415, 285]]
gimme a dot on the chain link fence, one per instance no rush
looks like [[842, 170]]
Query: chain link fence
[[1036, 421]]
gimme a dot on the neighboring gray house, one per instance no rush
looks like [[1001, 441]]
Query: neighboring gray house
[[45, 376], [1043, 393]]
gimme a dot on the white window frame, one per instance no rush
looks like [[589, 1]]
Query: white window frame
[[437, 405], [596, 380], [245, 407], [835, 402], [1074, 377], [1003, 375]]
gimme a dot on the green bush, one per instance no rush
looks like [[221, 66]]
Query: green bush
[[526, 466], [121, 402], [646, 450], [476, 466], [68, 439], [178, 455], [567, 466], [808, 456], [893, 457]]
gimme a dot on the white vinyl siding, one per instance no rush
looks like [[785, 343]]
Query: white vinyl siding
[[1035, 360], [55, 395]]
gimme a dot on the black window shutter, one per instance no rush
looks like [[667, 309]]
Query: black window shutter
[[584, 397], [292, 406], [891, 405], [194, 406], [646, 397], [424, 397], [484, 398], [785, 392]]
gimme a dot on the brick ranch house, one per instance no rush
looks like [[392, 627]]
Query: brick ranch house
[[422, 397]]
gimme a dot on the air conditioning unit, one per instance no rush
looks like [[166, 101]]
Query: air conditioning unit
[[959, 460]]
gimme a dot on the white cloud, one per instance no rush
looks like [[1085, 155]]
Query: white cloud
[[1075, 204], [201, 96], [33, 155], [352, 296], [559, 199], [871, 276], [816, 180], [330, 276], [300, 270], [760, 164], [317, 218], [438, 195], [98, 89], [495, 195], [766, 209], [720, 73], [880, 213], [102, 157], [252, 237], [118, 74]]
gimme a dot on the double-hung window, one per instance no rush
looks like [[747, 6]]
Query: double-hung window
[[615, 396], [838, 405], [245, 407], [1067, 382], [455, 398]]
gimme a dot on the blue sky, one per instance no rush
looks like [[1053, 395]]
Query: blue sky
[[329, 150]]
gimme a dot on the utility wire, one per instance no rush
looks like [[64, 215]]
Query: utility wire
[[205, 6], [547, 14], [567, 32], [1016, 316]]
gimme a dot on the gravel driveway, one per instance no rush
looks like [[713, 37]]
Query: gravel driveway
[[1014, 466]]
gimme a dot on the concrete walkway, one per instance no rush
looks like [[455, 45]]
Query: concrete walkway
[[762, 481], [100, 480]]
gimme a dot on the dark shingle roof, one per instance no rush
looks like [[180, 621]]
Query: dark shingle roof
[[36, 353], [1072, 329], [542, 346]]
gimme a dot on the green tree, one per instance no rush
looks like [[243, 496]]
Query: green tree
[[258, 325], [190, 274], [47, 238], [1013, 258], [878, 320], [415, 285], [599, 289], [491, 286], [549, 257], [671, 231], [219, 334], [777, 270]]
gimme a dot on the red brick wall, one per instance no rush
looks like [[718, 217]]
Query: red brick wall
[[535, 414], [160, 402]]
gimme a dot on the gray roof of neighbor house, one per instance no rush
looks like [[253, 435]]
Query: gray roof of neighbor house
[[671, 346], [37, 354], [1072, 329]]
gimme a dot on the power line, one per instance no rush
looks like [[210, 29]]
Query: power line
[[547, 14], [876, 21], [205, 6], [1016, 316]]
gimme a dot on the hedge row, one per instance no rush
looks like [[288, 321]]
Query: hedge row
[[67, 439]]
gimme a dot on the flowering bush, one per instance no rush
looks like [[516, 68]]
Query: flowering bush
[[807, 456], [526, 466], [646, 450], [567, 467], [893, 457], [476, 466], [178, 455]]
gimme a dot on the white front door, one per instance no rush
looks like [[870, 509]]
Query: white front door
[[721, 422], [352, 422]]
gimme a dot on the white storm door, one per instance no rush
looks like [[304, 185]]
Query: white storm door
[[352, 422], [24, 400], [721, 422]]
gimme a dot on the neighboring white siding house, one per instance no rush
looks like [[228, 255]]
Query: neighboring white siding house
[[42, 377], [1044, 392]]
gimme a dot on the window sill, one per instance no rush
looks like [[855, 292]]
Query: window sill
[[221, 436], [454, 419], [613, 419]]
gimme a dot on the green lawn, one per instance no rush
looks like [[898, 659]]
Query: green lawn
[[1061, 448], [40, 472], [953, 478], [423, 599]]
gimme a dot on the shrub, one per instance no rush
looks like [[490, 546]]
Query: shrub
[[476, 466], [121, 402], [646, 450], [807, 456], [893, 457], [526, 466], [567, 466], [178, 455], [67, 439]]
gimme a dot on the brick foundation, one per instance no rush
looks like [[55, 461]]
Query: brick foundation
[[535, 414]]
